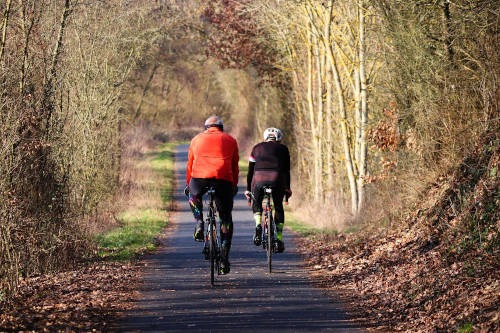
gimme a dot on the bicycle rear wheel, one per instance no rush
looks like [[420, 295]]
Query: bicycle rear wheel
[[269, 235]]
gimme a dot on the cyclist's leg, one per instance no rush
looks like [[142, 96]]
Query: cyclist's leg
[[224, 202], [196, 191], [258, 194], [279, 215], [197, 187]]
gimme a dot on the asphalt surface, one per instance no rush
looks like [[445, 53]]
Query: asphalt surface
[[176, 294]]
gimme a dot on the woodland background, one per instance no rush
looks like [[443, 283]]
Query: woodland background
[[378, 100]]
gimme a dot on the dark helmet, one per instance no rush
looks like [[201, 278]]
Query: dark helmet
[[214, 121]]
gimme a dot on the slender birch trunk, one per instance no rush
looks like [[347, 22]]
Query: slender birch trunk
[[345, 136], [364, 107], [311, 112], [329, 144], [318, 140], [342, 110]]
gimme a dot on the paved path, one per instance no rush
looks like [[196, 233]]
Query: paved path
[[177, 296]]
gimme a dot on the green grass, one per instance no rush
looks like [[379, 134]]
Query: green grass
[[163, 163], [139, 227], [137, 234], [301, 228]]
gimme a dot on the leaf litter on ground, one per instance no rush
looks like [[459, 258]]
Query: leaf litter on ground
[[83, 299]]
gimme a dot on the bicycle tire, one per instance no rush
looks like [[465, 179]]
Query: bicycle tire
[[212, 250], [269, 250]]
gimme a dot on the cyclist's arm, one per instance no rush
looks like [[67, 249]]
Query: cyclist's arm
[[251, 167], [235, 167], [189, 165], [286, 168]]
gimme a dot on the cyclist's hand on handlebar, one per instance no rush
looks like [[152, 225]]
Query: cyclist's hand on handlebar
[[186, 190], [248, 195]]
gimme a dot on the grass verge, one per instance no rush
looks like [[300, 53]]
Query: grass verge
[[143, 219], [303, 229]]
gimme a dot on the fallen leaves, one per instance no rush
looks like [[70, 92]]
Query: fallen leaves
[[84, 299], [436, 272], [406, 292]]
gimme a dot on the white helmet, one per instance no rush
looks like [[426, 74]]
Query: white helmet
[[214, 121], [273, 134]]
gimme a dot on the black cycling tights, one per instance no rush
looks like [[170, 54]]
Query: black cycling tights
[[278, 194], [223, 202]]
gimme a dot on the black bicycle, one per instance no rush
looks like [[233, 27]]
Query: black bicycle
[[269, 232], [212, 246]]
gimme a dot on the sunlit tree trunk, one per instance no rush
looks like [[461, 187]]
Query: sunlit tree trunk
[[330, 35], [319, 124], [342, 111], [363, 112], [312, 74], [345, 135]]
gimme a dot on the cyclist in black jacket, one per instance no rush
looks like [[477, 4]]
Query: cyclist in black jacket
[[269, 164]]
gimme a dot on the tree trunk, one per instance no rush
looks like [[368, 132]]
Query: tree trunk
[[4, 28], [361, 162], [144, 91], [311, 112], [349, 164], [318, 140], [448, 30], [49, 88], [345, 136], [27, 29]]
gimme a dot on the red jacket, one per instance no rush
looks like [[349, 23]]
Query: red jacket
[[213, 154]]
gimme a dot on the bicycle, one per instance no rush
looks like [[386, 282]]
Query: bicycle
[[269, 229], [212, 246]]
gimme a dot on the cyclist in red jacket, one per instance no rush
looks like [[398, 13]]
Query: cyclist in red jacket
[[213, 161], [269, 164]]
